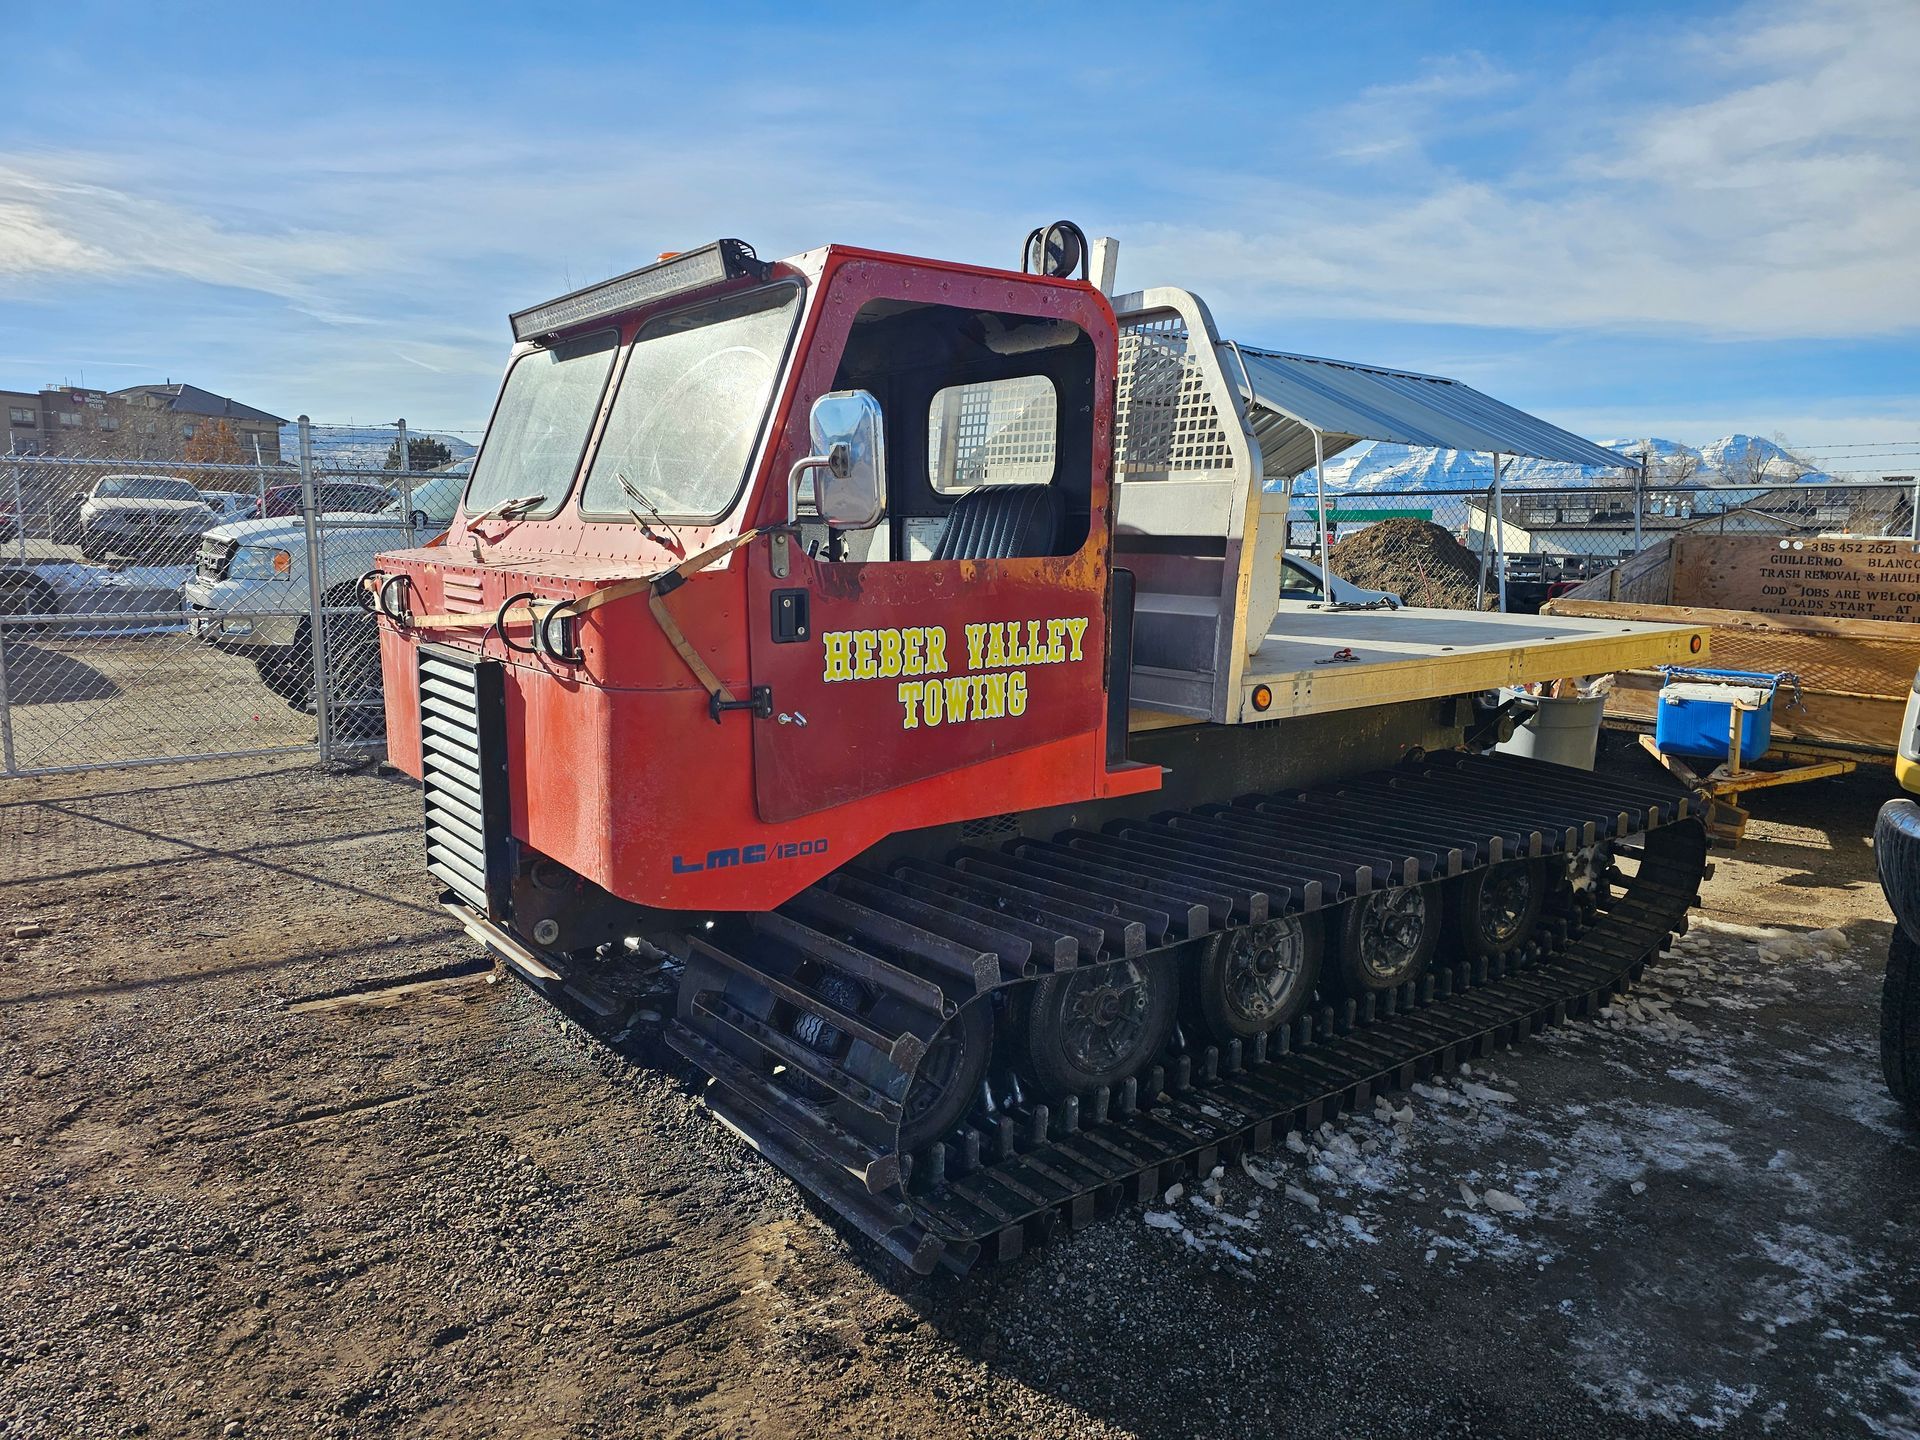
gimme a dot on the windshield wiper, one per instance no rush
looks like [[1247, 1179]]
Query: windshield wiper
[[671, 539], [508, 509]]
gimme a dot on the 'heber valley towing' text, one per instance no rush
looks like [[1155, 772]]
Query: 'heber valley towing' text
[[999, 654]]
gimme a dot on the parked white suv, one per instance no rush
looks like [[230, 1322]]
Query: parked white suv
[[249, 593]]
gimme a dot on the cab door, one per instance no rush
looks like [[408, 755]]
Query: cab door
[[886, 672], [970, 624]]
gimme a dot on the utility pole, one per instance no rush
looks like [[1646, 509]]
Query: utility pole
[[406, 474], [1639, 493]]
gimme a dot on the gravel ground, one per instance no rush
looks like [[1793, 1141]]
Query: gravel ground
[[239, 1201], [78, 698]]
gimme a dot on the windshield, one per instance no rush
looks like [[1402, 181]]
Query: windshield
[[145, 487], [355, 499], [690, 407], [540, 425], [435, 498]]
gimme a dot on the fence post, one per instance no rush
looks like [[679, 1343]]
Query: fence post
[[316, 593], [1914, 527], [406, 476], [1500, 533], [19, 506], [6, 708], [1324, 547], [1639, 495]]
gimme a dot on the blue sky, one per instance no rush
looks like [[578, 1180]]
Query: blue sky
[[1631, 218]]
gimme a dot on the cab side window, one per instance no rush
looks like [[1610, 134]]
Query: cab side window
[[989, 421]]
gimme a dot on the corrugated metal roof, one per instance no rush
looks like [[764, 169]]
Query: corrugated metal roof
[[1290, 396]]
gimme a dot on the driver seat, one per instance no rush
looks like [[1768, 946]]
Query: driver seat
[[1003, 522]]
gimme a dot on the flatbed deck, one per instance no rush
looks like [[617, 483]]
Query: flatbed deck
[[1317, 661]]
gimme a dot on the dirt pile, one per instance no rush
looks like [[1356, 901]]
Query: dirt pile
[[1415, 559]]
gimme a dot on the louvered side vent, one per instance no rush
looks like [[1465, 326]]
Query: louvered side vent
[[463, 771], [465, 593]]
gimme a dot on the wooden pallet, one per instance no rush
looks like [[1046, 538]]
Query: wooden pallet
[[1727, 822]]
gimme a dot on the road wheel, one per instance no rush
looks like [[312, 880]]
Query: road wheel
[[1386, 939], [1258, 977], [1900, 1022], [1495, 908], [1098, 1024], [948, 1077]]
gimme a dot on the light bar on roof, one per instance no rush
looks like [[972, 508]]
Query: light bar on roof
[[690, 270]]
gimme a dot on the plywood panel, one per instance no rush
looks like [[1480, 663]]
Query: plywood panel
[[1315, 660], [1854, 674], [1841, 579]]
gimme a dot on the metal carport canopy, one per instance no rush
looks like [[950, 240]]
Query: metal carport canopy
[[1289, 397]]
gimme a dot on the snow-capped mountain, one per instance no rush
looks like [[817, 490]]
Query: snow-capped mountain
[[356, 447], [1740, 460]]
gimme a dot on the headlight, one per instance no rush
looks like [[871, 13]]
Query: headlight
[[251, 563]]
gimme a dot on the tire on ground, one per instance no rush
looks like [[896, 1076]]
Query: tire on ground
[[284, 670], [24, 593], [1900, 1021], [353, 656]]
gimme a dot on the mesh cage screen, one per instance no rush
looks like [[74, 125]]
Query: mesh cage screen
[[996, 432], [1165, 424]]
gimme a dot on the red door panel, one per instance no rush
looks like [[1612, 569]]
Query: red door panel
[[914, 668]]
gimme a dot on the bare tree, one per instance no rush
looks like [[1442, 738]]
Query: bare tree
[[1788, 467], [1759, 466]]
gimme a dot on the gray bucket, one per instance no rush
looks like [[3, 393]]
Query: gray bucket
[[1564, 732]]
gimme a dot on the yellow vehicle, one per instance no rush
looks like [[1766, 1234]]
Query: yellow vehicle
[[1906, 760]]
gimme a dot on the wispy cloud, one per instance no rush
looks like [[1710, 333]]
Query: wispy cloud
[[1401, 118], [1778, 196], [1751, 175], [52, 227]]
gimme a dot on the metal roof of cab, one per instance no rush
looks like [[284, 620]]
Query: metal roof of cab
[[1290, 396]]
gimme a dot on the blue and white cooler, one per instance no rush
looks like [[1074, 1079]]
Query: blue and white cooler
[[1695, 714]]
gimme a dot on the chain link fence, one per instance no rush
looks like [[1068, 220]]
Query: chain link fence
[[155, 611], [1542, 541]]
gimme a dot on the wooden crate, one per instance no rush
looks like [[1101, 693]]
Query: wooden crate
[[1855, 673]]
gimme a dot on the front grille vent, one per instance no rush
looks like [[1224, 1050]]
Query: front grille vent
[[462, 771], [465, 593], [990, 826], [216, 555]]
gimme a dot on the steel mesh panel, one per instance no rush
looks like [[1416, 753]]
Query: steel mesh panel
[[999, 432], [1165, 422]]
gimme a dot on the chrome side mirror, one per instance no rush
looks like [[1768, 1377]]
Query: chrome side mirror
[[850, 460]]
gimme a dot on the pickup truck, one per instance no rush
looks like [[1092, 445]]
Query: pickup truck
[[155, 518], [249, 595]]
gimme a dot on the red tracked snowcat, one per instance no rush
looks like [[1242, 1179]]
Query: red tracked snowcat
[[905, 655]]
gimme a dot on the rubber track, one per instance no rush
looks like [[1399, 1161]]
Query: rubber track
[[986, 919]]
